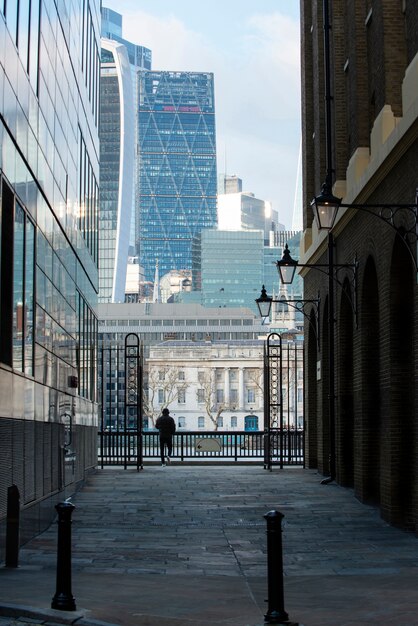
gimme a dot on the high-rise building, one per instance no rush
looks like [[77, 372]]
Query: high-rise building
[[49, 177], [177, 181], [231, 267], [117, 148], [118, 137]]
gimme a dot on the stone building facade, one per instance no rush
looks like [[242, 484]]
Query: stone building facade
[[374, 122]]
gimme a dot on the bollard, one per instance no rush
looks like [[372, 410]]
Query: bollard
[[276, 613], [63, 599], [12, 526]]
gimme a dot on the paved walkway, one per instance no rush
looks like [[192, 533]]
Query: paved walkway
[[185, 546]]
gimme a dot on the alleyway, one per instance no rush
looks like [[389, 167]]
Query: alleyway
[[185, 546]]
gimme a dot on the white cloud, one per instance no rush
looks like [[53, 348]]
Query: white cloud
[[257, 91]]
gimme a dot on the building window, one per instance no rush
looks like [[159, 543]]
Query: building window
[[181, 375], [300, 394], [218, 374], [233, 375], [201, 422], [220, 421], [200, 396], [201, 377], [161, 396], [161, 375], [234, 421], [250, 395], [219, 395], [181, 396], [182, 422], [17, 284], [233, 396]]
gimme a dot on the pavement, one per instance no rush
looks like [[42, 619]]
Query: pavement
[[186, 546]]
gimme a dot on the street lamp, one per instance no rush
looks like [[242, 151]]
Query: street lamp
[[286, 267]]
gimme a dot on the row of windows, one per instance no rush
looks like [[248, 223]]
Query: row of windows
[[180, 322], [22, 19], [57, 353], [90, 61], [88, 199]]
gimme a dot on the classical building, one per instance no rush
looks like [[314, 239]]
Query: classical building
[[49, 168], [207, 385], [374, 152]]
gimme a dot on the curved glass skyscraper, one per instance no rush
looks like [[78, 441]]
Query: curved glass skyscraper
[[116, 169], [177, 183]]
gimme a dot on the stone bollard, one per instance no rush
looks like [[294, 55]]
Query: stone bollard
[[63, 599], [276, 613], [12, 527]]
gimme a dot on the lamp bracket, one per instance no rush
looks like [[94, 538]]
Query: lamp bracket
[[406, 227]]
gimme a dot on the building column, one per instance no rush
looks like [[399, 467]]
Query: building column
[[241, 389], [226, 390]]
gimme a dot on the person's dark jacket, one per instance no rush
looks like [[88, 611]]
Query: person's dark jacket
[[166, 425]]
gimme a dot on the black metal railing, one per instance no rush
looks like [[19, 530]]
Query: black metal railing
[[121, 447]]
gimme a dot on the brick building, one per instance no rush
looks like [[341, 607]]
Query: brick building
[[374, 122]]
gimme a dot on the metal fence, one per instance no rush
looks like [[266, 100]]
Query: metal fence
[[121, 448]]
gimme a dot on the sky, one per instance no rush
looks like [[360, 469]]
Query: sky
[[253, 49]]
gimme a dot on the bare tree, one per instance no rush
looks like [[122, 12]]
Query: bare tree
[[167, 379], [213, 409]]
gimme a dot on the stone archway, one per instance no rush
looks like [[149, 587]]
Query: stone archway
[[311, 402], [368, 402], [345, 412], [398, 389]]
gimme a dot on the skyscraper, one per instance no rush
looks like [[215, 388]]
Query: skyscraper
[[118, 106], [116, 169], [177, 181]]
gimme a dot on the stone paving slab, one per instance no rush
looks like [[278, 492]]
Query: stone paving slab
[[186, 545]]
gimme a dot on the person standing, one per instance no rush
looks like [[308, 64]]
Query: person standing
[[167, 427]]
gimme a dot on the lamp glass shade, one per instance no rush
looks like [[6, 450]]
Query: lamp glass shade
[[325, 207], [264, 303], [286, 267], [287, 273]]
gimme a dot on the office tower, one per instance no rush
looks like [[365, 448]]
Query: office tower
[[117, 149], [49, 176], [120, 61], [177, 166], [231, 267]]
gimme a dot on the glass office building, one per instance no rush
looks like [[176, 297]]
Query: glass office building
[[117, 149], [121, 60], [231, 267], [49, 180], [177, 182]]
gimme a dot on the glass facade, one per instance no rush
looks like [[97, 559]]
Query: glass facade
[[177, 182], [117, 148], [231, 269], [49, 173]]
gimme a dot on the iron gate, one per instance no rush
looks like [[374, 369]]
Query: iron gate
[[121, 383], [283, 402]]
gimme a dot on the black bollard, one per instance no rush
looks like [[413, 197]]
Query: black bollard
[[63, 599], [276, 613], [12, 526]]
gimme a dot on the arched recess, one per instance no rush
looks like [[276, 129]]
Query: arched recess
[[368, 402], [345, 413], [323, 402], [401, 386], [311, 395]]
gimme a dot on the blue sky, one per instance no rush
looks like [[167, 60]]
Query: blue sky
[[253, 50]]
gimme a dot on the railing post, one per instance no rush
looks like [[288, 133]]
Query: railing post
[[12, 526], [63, 599], [276, 613]]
